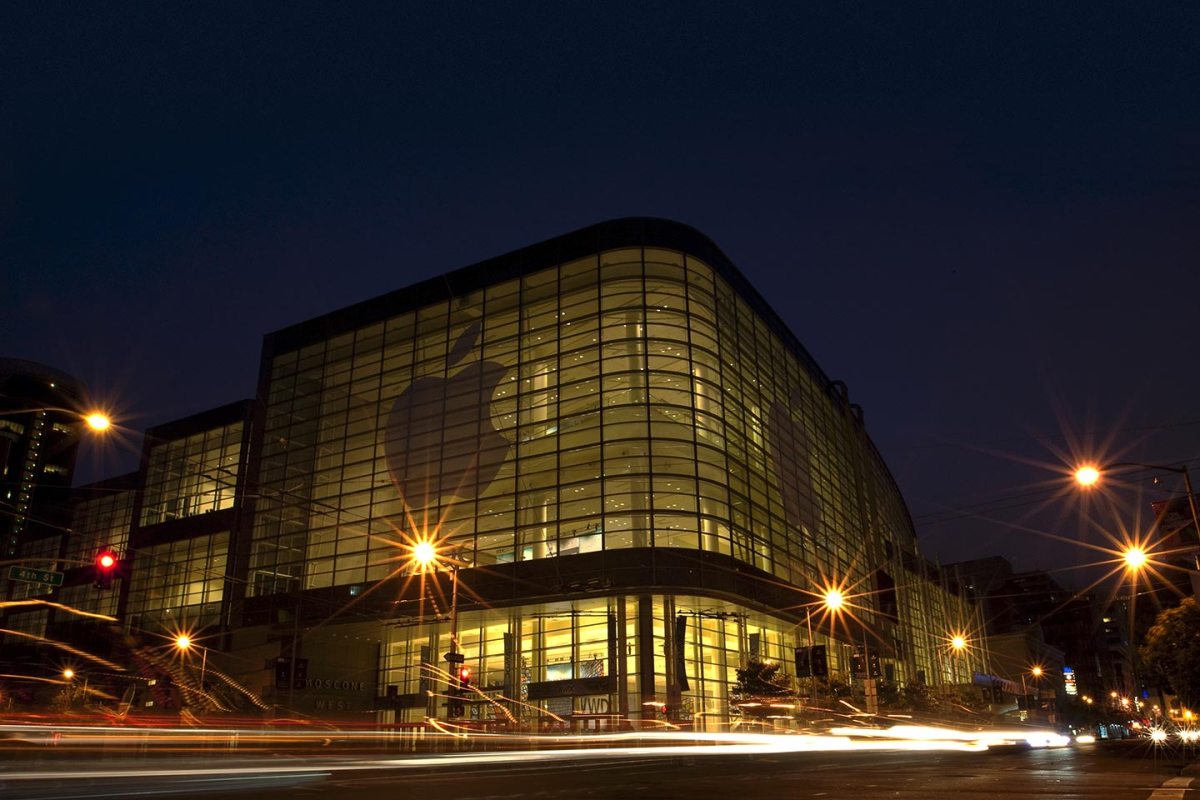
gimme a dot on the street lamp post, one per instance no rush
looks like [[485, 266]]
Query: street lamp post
[[425, 556], [811, 650], [185, 643], [831, 601], [1037, 672], [97, 421], [1089, 475], [958, 643], [1135, 557], [69, 676]]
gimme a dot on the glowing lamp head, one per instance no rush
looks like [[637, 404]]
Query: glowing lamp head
[[834, 600], [183, 641], [424, 553], [1037, 672], [97, 421], [958, 642], [68, 673], [1087, 475], [1135, 558]]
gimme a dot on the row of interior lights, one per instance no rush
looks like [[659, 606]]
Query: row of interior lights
[[425, 555]]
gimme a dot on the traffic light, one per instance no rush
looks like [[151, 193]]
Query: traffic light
[[460, 684], [804, 662], [106, 565], [820, 661]]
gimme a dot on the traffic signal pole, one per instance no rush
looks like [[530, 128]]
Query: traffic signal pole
[[811, 645], [454, 659]]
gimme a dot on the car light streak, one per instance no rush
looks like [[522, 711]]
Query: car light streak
[[746, 744], [843, 738], [66, 647], [990, 737], [569, 747]]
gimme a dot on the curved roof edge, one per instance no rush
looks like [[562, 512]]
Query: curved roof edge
[[608, 235], [19, 367]]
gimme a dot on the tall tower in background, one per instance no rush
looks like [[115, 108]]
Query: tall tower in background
[[40, 426]]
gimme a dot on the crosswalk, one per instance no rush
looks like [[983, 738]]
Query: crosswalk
[[1173, 789]]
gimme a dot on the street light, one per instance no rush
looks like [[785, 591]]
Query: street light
[[958, 643], [68, 673], [424, 555], [98, 421], [1135, 558], [184, 643], [1036, 671], [1089, 475], [831, 601]]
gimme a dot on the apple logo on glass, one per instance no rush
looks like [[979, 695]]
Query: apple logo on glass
[[440, 438]]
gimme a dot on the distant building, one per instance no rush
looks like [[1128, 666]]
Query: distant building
[[1032, 621], [39, 436], [40, 427]]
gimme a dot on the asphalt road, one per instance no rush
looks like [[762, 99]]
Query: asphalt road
[[1134, 771]]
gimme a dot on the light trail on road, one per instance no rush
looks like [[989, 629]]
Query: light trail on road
[[600, 747]]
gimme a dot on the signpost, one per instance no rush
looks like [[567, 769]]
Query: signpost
[[30, 575]]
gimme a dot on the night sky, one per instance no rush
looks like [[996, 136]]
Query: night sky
[[985, 222]]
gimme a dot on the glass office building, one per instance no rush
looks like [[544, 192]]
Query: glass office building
[[640, 478]]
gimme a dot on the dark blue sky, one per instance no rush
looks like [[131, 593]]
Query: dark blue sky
[[984, 221]]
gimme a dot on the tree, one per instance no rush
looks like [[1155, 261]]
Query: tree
[[762, 679], [1171, 653]]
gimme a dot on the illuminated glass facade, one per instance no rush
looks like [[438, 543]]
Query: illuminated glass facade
[[186, 514], [628, 399], [608, 409], [193, 475], [102, 517], [178, 585]]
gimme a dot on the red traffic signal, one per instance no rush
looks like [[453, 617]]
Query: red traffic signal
[[464, 677], [106, 564]]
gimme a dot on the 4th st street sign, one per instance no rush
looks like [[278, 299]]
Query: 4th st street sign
[[29, 575]]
